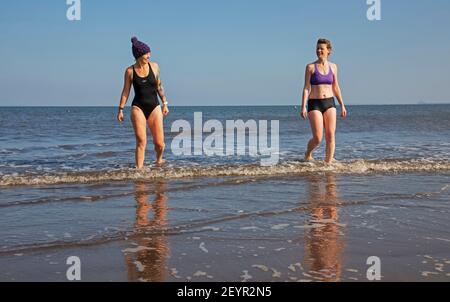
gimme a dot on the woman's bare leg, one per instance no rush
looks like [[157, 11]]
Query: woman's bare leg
[[155, 122], [140, 131], [316, 122], [329, 122]]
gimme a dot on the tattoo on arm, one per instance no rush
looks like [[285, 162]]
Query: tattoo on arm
[[161, 92], [160, 87]]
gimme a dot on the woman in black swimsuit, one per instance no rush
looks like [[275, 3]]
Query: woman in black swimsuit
[[145, 109]]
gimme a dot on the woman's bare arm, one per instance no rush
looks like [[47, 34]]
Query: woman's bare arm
[[337, 92], [336, 88], [126, 87], [307, 85], [161, 92]]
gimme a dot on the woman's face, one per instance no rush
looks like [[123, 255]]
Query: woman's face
[[322, 51], [145, 58]]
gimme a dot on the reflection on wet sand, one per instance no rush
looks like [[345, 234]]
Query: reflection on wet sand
[[324, 242], [148, 261]]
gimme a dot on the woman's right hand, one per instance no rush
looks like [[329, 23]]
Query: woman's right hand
[[120, 116], [303, 113]]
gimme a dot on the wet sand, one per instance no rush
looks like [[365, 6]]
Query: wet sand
[[319, 227]]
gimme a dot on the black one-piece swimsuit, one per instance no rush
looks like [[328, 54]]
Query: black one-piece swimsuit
[[145, 92]]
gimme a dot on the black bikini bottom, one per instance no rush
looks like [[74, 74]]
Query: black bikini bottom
[[321, 104]]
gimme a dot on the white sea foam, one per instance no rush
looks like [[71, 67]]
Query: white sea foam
[[139, 266], [177, 172], [280, 226], [203, 248], [137, 249]]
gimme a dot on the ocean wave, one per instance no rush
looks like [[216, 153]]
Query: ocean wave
[[173, 171]]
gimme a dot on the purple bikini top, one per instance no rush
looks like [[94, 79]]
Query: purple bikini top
[[319, 79]]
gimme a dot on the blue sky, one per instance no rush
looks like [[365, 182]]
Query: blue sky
[[234, 52]]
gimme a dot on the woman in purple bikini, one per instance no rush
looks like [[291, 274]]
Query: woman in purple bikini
[[321, 85]]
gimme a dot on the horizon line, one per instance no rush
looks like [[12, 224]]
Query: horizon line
[[243, 105]]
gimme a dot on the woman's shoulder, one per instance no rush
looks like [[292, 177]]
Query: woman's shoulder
[[310, 66], [332, 64], [129, 72], [154, 64]]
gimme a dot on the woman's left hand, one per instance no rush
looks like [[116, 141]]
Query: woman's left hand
[[165, 110], [343, 112]]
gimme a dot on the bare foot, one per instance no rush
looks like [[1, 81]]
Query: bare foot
[[308, 157], [329, 162], [160, 162]]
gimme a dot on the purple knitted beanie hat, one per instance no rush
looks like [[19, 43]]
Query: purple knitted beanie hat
[[139, 48]]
